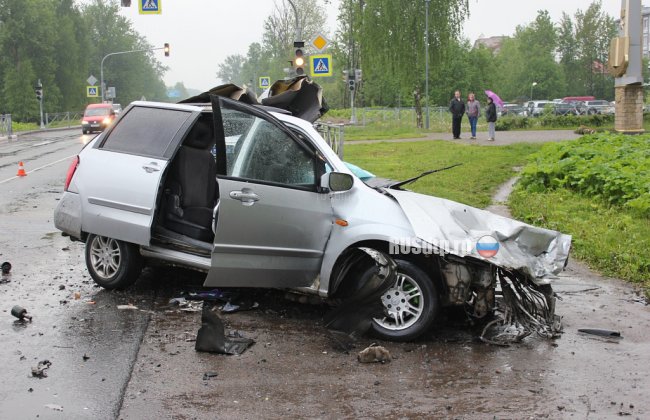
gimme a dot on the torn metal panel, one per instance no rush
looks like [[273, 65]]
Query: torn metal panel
[[228, 90], [361, 295], [536, 252]]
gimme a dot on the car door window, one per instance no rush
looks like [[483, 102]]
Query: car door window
[[262, 151]]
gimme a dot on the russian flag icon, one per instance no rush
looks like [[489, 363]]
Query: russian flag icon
[[487, 246]]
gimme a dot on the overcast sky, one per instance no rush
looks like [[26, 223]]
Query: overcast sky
[[202, 33]]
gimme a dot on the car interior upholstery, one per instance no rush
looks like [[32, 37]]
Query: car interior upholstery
[[191, 187]]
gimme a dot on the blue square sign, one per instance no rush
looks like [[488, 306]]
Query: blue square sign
[[321, 65], [150, 7]]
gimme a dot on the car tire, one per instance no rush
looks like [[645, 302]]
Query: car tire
[[414, 287], [111, 263], [84, 131]]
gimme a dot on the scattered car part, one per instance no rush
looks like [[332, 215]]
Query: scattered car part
[[20, 313], [374, 354], [525, 308], [208, 375], [364, 276], [6, 267], [127, 307], [40, 370], [601, 333], [211, 337]]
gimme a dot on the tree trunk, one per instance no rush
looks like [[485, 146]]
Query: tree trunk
[[418, 108]]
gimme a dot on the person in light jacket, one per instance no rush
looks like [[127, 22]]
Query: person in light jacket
[[473, 109], [457, 109], [491, 117]]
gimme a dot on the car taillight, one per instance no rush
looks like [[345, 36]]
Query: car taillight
[[71, 171]]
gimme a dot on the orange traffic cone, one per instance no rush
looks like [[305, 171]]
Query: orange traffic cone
[[21, 170]]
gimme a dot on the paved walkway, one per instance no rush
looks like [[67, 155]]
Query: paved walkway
[[502, 138]]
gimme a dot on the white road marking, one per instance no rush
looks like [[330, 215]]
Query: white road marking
[[39, 168]]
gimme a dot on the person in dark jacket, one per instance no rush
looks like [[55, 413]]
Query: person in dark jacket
[[491, 117], [457, 109]]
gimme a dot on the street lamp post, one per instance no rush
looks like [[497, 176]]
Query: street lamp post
[[426, 61], [531, 90], [101, 67], [298, 30]]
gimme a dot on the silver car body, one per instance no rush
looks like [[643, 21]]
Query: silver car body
[[268, 236]]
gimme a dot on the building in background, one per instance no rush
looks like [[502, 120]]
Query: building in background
[[494, 42], [645, 45]]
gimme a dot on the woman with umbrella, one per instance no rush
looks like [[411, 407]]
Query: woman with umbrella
[[491, 117], [491, 112]]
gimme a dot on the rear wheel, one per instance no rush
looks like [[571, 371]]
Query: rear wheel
[[84, 131], [410, 306], [111, 263]]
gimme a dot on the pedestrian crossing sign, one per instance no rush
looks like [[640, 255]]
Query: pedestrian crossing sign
[[150, 7], [265, 82], [92, 91], [321, 65]]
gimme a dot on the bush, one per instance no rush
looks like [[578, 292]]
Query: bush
[[612, 167], [549, 120]]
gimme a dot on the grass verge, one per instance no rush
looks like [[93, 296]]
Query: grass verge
[[612, 239], [484, 169]]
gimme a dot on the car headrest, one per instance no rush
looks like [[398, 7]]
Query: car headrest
[[200, 136]]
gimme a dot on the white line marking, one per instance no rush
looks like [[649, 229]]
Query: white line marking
[[39, 168]]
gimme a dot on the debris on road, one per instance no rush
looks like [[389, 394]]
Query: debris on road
[[208, 375], [54, 407], [5, 267], [374, 354], [20, 313], [61, 286], [40, 370], [127, 307], [601, 333], [230, 307], [211, 337], [77, 295], [85, 357]]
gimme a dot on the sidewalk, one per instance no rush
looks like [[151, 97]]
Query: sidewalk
[[502, 138]]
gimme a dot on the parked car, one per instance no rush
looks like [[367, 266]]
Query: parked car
[[279, 209], [565, 109], [595, 107], [512, 110], [536, 108], [97, 117]]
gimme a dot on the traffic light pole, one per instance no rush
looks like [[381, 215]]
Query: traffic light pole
[[39, 96], [101, 67]]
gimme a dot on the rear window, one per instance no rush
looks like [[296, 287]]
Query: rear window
[[146, 131]]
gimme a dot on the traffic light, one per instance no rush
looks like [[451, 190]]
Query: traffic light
[[357, 75], [126, 3], [38, 89], [299, 59], [166, 49], [351, 82]]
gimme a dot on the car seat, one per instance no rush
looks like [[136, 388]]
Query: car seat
[[192, 193]]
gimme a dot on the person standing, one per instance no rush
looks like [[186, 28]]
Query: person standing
[[473, 108], [457, 109], [491, 117]]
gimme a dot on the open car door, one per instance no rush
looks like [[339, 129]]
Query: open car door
[[272, 224]]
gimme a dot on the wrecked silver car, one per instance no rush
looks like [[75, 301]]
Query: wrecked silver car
[[254, 197]]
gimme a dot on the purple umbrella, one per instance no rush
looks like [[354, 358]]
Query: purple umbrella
[[495, 98]]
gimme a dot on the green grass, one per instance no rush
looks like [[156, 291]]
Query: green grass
[[19, 126], [382, 131], [484, 169], [612, 239]]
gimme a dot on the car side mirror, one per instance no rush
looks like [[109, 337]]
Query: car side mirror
[[337, 181]]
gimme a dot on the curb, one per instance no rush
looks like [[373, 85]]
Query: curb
[[13, 137]]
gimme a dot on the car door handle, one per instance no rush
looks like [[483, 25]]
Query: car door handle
[[246, 196], [151, 167]]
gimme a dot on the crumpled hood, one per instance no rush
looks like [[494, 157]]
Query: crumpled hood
[[538, 252]]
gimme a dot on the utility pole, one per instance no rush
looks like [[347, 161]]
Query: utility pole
[[426, 61]]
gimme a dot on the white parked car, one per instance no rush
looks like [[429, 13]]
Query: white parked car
[[256, 198]]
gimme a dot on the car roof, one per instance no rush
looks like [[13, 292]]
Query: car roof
[[99, 106]]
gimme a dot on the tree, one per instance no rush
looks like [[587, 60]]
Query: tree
[[230, 71]]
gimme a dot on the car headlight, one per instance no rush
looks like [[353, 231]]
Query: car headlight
[[107, 120]]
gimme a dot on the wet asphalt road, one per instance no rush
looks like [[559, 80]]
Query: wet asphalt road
[[47, 272], [142, 364]]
